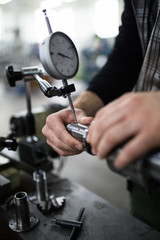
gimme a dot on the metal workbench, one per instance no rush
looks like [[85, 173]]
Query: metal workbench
[[101, 221]]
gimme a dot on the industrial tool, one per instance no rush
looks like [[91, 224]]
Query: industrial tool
[[32, 150], [75, 229], [24, 220], [17, 75], [67, 223], [8, 142], [45, 202], [75, 225], [59, 58]]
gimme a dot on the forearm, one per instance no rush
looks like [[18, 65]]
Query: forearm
[[89, 102]]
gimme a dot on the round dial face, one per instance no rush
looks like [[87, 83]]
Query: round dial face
[[63, 54]]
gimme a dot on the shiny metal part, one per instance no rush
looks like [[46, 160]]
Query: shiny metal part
[[43, 84], [45, 202], [80, 132], [47, 21], [57, 202], [41, 186], [28, 71], [24, 221]]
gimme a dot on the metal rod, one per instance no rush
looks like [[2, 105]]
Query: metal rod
[[75, 230], [67, 223], [47, 22], [40, 178], [28, 97], [65, 83]]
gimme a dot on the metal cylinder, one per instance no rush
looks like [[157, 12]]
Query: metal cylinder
[[22, 210], [24, 220], [41, 185]]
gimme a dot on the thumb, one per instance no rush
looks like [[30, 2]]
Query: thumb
[[86, 120]]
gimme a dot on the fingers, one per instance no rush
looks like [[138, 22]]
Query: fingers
[[107, 131], [107, 117], [86, 120], [61, 141], [113, 136], [133, 118], [57, 135], [65, 149], [135, 148]]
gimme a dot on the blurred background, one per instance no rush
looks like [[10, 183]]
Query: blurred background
[[92, 25]]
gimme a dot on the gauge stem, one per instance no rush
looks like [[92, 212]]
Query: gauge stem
[[47, 22], [65, 83]]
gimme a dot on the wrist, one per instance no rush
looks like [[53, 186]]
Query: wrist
[[89, 102]]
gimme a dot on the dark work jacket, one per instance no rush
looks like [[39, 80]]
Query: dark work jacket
[[121, 72]]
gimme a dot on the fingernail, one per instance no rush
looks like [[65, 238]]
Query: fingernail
[[87, 139], [94, 152], [117, 165], [83, 120], [79, 147]]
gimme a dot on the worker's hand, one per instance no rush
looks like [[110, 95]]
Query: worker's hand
[[134, 117], [57, 135]]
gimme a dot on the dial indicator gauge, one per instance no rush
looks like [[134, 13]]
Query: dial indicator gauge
[[59, 56]]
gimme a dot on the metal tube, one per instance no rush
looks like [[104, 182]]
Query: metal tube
[[41, 185], [24, 220], [28, 97], [22, 211]]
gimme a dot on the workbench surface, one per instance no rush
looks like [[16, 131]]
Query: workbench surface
[[101, 220]]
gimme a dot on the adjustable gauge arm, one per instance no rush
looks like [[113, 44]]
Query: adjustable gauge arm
[[32, 73], [16, 75], [50, 91]]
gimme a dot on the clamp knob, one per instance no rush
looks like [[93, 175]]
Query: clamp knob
[[13, 75], [10, 144]]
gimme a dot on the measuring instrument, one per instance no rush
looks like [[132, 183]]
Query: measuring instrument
[[59, 58]]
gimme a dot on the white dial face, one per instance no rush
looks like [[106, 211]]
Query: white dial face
[[63, 54]]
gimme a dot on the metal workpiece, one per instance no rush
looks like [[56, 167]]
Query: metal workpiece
[[41, 186], [45, 202], [57, 202], [24, 220], [80, 132]]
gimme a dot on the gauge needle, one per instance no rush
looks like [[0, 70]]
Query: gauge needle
[[61, 54]]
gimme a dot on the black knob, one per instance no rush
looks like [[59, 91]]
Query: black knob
[[13, 75], [10, 144]]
